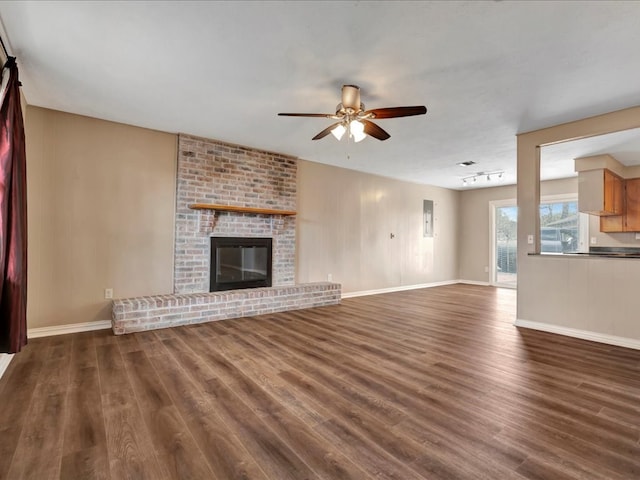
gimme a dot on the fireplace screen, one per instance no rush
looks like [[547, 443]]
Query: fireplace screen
[[240, 263]]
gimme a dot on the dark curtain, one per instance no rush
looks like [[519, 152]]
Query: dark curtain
[[13, 218]]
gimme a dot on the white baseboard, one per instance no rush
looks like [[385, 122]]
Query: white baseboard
[[582, 334], [397, 289], [5, 359], [474, 282], [70, 328]]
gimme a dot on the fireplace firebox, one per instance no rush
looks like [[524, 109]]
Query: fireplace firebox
[[240, 262]]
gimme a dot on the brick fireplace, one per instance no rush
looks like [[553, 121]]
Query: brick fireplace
[[212, 172], [215, 172]]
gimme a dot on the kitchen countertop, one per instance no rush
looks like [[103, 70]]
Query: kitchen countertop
[[605, 255], [606, 252]]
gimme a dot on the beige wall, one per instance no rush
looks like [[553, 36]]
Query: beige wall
[[474, 221], [101, 201], [100, 215], [345, 222], [568, 293], [627, 239], [474, 251], [475, 224]]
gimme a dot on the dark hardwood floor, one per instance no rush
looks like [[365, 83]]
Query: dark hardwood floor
[[424, 384]]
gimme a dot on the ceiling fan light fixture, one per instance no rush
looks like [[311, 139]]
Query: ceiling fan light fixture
[[353, 117], [356, 129], [338, 131]]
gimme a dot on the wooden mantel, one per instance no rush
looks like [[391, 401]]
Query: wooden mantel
[[231, 208]]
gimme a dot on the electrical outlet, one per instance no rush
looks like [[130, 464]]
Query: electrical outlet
[[108, 293], [594, 240], [329, 277]]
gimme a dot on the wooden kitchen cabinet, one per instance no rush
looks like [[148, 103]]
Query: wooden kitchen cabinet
[[600, 192], [629, 221], [632, 205]]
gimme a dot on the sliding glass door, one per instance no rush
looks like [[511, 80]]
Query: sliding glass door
[[503, 270]]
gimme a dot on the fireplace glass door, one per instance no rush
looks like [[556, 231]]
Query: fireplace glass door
[[240, 263]]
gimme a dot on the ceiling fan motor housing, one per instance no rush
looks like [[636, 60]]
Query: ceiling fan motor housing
[[351, 97]]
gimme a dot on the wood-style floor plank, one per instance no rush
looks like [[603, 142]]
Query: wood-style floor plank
[[46, 417], [176, 449], [85, 442], [19, 382], [323, 459], [130, 449], [224, 452], [430, 384]]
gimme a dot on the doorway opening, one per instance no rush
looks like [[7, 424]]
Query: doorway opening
[[503, 271]]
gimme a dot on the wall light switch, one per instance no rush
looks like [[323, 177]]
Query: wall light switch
[[108, 293], [530, 239]]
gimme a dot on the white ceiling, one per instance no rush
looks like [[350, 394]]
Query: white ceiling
[[223, 70], [557, 161]]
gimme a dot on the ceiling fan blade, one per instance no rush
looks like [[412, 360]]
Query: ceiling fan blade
[[393, 112], [323, 115], [326, 131], [374, 130]]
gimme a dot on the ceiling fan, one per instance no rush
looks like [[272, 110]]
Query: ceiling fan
[[355, 119]]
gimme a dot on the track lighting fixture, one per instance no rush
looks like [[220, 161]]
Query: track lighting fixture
[[474, 178]]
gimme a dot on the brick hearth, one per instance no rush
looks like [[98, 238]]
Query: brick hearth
[[162, 311]]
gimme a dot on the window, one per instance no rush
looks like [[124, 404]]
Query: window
[[560, 225], [562, 229]]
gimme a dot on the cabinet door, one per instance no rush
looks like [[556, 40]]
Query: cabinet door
[[632, 207], [612, 223], [600, 192], [614, 189], [613, 194]]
